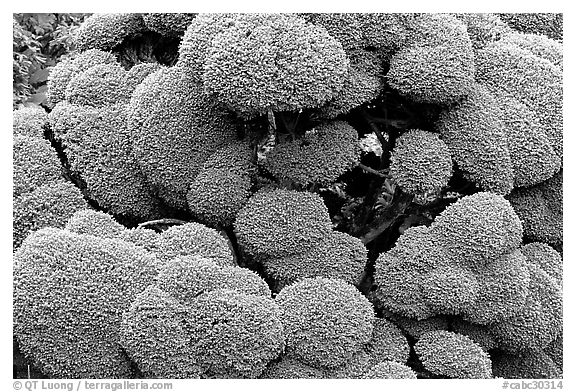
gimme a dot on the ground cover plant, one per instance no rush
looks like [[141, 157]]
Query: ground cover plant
[[288, 196]]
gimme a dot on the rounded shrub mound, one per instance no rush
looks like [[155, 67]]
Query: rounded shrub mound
[[338, 256], [35, 164], [547, 24], [192, 239], [154, 336], [169, 24], [275, 61], [197, 40], [437, 63], [388, 343], [280, 223], [538, 322], [483, 28], [88, 282], [219, 334], [320, 157], [540, 208], [390, 369], [478, 228], [222, 186], [174, 130], [237, 334], [94, 223], [49, 205], [325, 320], [99, 86], [532, 153], [480, 334], [509, 69], [29, 121], [534, 364], [420, 162], [97, 144], [364, 83], [140, 236], [545, 257], [475, 134], [105, 31], [186, 277], [65, 70], [456, 356], [398, 274]]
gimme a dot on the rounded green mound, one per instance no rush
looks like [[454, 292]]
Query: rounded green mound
[[99, 86], [506, 68], [175, 129], [338, 256], [326, 321], [364, 83], [61, 75], [186, 277], [142, 237], [320, 157], [106, 31], [388, 343], [136, 75], [390, 369], [88, 282], [536, 23], [478, 228], [420, 162], [96, 223], [385, 32], [480, 334], [223, 185], [35, 163], [194, 239], [475, 135], [237, 334], [197, 40], [29, 121], [417, 328], [450, 289], [398, 274], [279, 223], [49, 205], [503, 290], [539, 45], [534, 364], [437, 64], [483, 28], [97, 144], [545, 257], [273, 61], [220, 334], [456, 356], [538, 322], [216, 196], [532, 154], [540, 209], [466, 263], [155, 336], [168, 24]]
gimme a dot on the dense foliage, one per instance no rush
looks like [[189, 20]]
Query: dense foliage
[[288, 195]]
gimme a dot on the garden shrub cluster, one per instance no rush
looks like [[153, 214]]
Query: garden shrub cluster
[[293, 196]]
